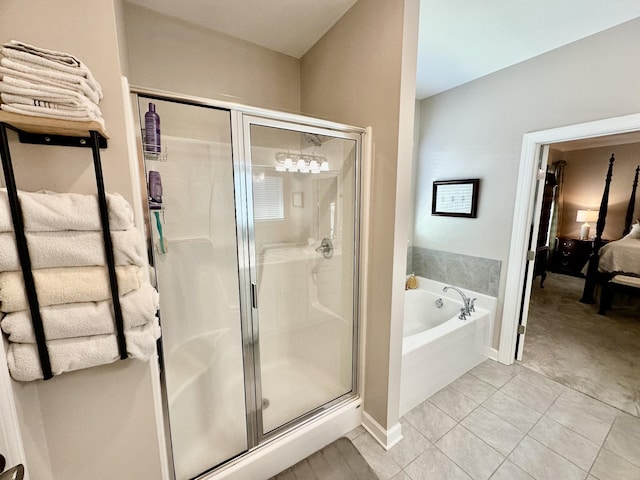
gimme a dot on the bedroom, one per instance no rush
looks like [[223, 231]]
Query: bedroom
[[566, 339]]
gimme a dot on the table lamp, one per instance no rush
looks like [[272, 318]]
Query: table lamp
[[586, 216]]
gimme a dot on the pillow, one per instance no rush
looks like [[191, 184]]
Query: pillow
[[635, 230]]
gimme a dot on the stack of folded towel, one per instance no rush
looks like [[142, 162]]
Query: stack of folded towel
[[46, 83], [64, 236]]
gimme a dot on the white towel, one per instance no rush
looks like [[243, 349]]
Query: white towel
[[71, 354], [17, 86], [10, 98], [56, 286], [84, 319], [50, 59], [72, 249], [31, 74], [49, 211], [53, 113]]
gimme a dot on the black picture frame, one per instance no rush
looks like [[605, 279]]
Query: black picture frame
[[455, 198]]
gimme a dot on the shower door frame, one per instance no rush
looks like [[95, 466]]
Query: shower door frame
[[240, 116], [248, 119]]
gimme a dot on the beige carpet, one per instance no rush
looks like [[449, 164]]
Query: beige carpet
[[569, 342]]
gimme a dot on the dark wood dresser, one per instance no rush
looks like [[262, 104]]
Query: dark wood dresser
[[571, 255]]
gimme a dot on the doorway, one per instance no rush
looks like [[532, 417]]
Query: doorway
[[524, 211], [527, 217]]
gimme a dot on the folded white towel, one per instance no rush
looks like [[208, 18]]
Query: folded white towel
[[56, 286], [24, 71], [49, 211], [72, 249], [48, 93], [84, 319], [83, 116], [10, 99], [50, 59], [71, 354]]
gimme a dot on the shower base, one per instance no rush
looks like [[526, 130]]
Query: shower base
[[294, 388]]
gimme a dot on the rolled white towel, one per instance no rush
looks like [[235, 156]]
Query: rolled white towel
[[71, 354], [84, 319], [50, 59], [56, 286], [35, 75], [71, 249], [49, 211]]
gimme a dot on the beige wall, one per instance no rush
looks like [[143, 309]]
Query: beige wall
[[169, 54], [585, 174], [352, 75], [96, 423], [476, 130]]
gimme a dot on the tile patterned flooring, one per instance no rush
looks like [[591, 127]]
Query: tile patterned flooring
[[503, 422]]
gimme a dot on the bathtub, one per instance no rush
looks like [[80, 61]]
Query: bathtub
[[437, 346]]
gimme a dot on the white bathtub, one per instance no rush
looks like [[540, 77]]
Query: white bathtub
[[437, 346]]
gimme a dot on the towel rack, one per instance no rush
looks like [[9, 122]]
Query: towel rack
[[45, 131]]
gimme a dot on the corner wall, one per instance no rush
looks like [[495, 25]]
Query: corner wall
[[476, 130], [585, 174], [169, 54], [353, 75]]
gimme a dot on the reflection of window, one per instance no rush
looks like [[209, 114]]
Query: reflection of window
[[268, 198]]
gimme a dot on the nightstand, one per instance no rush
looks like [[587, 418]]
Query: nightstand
[[571, 255]]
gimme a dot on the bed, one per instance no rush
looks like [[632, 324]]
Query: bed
[[621, 256], [617, 257]]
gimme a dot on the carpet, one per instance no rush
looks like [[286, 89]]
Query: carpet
[[570, 343], [339, 460]]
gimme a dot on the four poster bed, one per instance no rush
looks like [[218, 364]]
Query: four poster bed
[[618, 262]]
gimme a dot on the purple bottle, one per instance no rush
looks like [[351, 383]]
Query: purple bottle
[[155, 190], [152, 130]]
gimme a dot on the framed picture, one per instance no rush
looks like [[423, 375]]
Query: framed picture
[[455, 198], [297, 199]]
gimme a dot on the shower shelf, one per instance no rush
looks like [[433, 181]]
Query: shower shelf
[[46, 131], [153, 156]]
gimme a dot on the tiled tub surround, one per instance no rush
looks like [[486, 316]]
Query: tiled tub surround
[[479, 274], [434, 357], [503, 422]]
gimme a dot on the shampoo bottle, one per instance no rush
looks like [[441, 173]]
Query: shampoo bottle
[[152, 130], [155, 190]]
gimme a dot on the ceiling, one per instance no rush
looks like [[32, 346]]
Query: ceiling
[[459, 40]]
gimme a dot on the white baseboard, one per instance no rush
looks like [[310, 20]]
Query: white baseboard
[[493, 354], [386, 438]]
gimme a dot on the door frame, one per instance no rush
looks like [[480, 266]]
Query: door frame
[[524, 211]]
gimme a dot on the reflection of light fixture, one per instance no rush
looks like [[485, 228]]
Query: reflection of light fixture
[[294, 162], [586, 216]]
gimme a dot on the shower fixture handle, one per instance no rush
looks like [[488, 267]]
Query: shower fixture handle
[[325, 248]]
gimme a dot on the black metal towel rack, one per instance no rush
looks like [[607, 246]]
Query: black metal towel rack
[[36, 130]]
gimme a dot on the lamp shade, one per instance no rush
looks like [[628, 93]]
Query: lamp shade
[[587, 216]]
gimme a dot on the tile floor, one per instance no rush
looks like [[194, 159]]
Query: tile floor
[[503, 422]]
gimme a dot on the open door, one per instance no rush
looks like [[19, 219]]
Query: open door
[[531, 250]]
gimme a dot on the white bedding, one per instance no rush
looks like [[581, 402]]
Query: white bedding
[[621, 256]]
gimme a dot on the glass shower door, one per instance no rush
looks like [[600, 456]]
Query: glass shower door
[[194, 244], [304, 273]]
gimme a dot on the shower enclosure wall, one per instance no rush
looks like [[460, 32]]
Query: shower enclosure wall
[[254, 244]]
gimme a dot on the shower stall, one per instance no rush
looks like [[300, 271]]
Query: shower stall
[[252, 226]]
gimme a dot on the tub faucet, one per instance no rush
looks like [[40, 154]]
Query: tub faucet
[[468, 303]]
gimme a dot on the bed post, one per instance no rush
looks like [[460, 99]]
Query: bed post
[[592, 270], [628, 220]]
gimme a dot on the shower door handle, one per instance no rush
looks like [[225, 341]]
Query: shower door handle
[[254, 295]]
